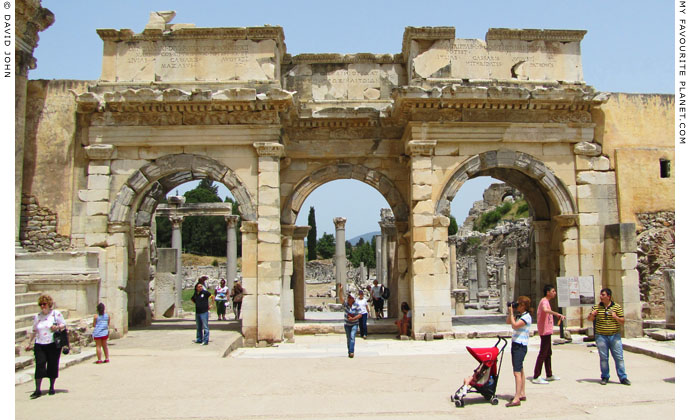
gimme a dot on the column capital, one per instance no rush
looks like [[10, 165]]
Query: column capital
[[142, 232], [420, 147], [99, 151], [453, 240], [288, 230], [301, 232], [566, 220], [541, 224], [176, 220], [270, 149], [249, 226], [232, 220], [339, 222]]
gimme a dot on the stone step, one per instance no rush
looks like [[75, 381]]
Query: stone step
[[28, 297], [26, 308], [21, 288]]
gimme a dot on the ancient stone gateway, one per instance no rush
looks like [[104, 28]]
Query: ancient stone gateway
[[177, 103]]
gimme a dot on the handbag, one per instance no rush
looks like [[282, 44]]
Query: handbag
[[61, 338]]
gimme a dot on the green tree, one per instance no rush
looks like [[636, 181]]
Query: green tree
[[326, 246], [453, 226], [163, 230], [202, 234], [311, 236]]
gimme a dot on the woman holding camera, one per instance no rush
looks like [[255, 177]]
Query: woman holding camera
[[46, 353], [520, 323]]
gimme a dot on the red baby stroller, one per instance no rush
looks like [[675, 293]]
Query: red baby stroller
[[485, 377]]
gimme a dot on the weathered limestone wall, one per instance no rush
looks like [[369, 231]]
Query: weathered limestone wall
[[636, 132], [50, 163]]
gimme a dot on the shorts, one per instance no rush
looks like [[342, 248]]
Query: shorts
[[518, 353], [104, 338]]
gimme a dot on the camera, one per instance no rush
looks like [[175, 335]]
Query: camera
[[513, 304]]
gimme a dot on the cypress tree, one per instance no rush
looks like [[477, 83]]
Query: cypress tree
[[311, 236]]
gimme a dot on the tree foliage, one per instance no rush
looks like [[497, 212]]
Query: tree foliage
[[326, 246], [453, 226], [311, 236], [363, 252], [203, 235]]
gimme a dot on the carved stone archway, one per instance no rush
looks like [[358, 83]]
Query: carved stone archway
[[371, 177]]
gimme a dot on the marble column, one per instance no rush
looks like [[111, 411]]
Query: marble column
[[384, 255], [231, 251], [177, 244], [340, 274], [670, 297], [299, 269], [472, 279], [379, 262], [287, 298], [452, 243], [482, 276]]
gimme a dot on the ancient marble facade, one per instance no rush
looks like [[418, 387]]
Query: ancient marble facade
[[177, 103]]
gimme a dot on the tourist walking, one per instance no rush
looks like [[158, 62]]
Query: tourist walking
[[237, 295], [46, 353], [378, 299], [608, 319], [545, 328], [101, 322], [200, 299], [520, 323], [352, 316], [405, 322], [361, 301], [221, 298]]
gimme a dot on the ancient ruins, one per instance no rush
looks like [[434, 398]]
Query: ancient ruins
[[177, 102]]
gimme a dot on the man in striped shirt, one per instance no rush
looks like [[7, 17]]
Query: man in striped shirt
[[608, 318]]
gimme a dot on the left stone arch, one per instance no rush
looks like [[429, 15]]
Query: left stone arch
[[138, 197]]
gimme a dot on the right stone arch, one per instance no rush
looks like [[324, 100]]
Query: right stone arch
[[547, 194]]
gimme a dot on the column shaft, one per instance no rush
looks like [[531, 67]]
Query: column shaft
[[340, 274]]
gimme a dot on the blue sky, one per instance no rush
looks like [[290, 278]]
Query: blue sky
[[628, 48]]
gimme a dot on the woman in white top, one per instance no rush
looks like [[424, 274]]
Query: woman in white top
[[46, 353], [361, 301]]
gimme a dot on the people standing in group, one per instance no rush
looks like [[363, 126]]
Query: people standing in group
[[545, 328], [352, 317], [237, 295], [361, 301], [201, 298], [221, 298], [46, 353], [101, 324], [376, 294], [520, 323], [405, 322], [608, 318]]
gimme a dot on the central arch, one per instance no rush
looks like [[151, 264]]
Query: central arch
[[371, 177]]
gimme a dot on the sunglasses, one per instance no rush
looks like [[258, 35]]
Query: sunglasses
[[42, 304]]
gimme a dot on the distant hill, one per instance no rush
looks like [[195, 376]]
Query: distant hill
[[366, 236]]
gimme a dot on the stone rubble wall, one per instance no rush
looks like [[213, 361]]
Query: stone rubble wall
[[38, 227], [655, 253]]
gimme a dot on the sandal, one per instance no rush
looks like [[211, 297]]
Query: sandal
[[98, 362], [106, 361], [513, 404]]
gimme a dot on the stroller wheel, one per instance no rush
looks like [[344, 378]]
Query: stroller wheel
[[494, 401], [460, 403]]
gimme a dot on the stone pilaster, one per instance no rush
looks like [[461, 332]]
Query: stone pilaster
[[269, 259], [286, 292], [140, 277], [231, 251], [96, 196], [340, 267], [621, 276], [114, 262], [299, 269], [482, 274], [542, 273], [379, 260], [430, 279], [249, 314]]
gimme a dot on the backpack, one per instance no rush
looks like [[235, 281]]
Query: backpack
[[386, 293]]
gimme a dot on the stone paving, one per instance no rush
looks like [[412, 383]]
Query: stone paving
[[157, 373]]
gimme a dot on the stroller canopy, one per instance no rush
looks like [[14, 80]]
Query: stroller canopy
[[486, 355]]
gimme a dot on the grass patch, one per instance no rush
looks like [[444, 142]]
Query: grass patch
[[187, 304]]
